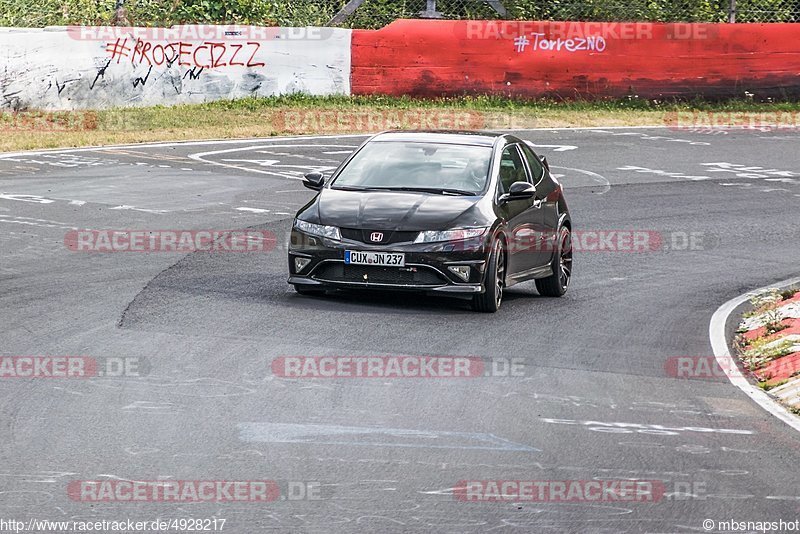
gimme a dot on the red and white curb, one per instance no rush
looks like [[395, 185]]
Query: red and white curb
[[722, 353], [771, 338]]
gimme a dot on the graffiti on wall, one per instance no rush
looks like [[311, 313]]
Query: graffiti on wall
[[533, 59], [122, 67]]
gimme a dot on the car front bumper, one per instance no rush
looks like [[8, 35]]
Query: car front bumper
[[426, 265]]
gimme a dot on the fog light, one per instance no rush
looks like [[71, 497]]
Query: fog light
[[300, 264], [461, 271]]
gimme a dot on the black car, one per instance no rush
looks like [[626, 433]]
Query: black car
[[461, 213]]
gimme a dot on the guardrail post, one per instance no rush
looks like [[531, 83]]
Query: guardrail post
[[498, 6], [430, 12], [348, 9], [120, 16]]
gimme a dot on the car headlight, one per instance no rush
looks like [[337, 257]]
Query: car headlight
[[458, 234], [331, 232]]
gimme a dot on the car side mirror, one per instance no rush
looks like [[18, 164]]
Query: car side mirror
[[314, 180], [545, 164], [519, 191]]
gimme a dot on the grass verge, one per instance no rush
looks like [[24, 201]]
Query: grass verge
[[300, 114]]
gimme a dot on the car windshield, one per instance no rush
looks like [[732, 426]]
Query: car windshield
[[433, 167]]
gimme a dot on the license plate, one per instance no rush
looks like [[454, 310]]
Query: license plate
[[381, 259]]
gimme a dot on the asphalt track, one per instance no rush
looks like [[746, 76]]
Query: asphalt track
[[387, 453]]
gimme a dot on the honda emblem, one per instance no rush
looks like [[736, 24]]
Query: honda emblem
[[376, 236]]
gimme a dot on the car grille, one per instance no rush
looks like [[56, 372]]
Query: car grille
[[389, 236], [339, 272]]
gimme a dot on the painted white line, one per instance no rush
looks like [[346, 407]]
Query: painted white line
[[293, 175], [584, 128], [200, 157], [317, 146], [254, 210], [27, 198], [259, 162], [206, 142], [197, 142], [134, 208], [556, 148], [30, 221], [601, 180], [320, 434], [719, 343]]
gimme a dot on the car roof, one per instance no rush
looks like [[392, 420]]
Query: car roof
[[481, 138]]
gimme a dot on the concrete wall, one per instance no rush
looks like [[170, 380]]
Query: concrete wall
[[95, 68], [84, 68], [576, 59]]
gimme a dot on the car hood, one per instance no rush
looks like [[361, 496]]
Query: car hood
[[396, 210]]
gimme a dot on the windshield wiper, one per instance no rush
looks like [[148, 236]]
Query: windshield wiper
[[353, 188], [440, 190]]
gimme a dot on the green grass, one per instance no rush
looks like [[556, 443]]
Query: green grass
[[768, 385], [500, 103], [261, 117], [786, 294]]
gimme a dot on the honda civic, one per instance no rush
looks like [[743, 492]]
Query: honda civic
[[459, 213]]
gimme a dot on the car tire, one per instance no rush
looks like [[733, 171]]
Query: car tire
[[489, 301], [557, 284], [308, 291]]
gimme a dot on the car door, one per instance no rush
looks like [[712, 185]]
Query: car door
[[548, 216], [522, 216]]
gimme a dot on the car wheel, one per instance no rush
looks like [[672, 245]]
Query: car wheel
[[489, 301], [308, 291], [556, 284]]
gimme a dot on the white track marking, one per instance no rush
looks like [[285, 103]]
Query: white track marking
[[206, 142], [293, 175], [719, 343], [198, 142], [31, 221], [556, 148], [134, 208], [27, 198], [316, 146], [601, 180], [259, 162], [254, 210]]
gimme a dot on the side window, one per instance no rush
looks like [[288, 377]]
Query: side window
[[534, 164], [511, 168]]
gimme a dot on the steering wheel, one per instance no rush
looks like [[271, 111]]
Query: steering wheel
[[477, 178]]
